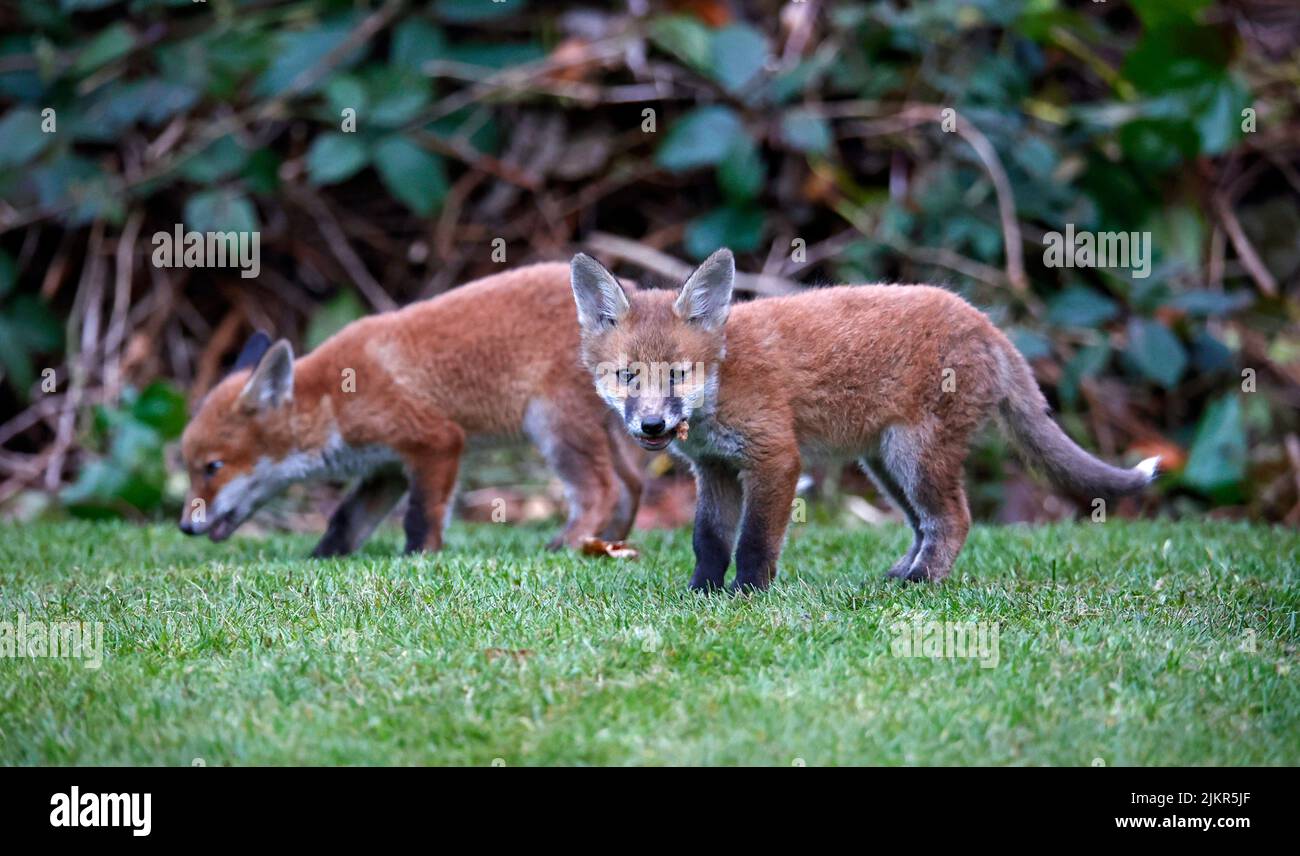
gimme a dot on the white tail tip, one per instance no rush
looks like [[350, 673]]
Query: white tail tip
[[1149, 468]]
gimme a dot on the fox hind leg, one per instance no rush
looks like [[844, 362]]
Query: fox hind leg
[[927, 467], [630, 482], [361, 512], [578, 452], [893, 491]]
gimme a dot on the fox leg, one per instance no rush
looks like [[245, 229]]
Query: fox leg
[[629, 476], [432, 475], [928, 468], [892, 491], [717, 514], [769, 491], [579, 454], [360, 512]]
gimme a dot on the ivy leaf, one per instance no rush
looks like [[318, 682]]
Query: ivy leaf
[[685, 38], [1080, 306], [220, 211], [332, 316], [805, 131], [742, 171], [335, 157], [1156, 351], [113, 43], [23, 138], [734, 226], [739, 53], [416, 42], [411, 174], [1216, 464], [703, 137]]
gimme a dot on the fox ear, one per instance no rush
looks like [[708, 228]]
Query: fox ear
[[271, 384], [254, 349], [706, 296], [601, 300]]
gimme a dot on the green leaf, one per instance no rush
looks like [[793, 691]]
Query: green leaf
[[734, 226], [473, 11], [1031, 345], [223, 158], [739, 53], [8, 274], [1156, 351], [162, 406], [1087, 362], [416, 42], [20, 129], [111, 44], [703, 137], [298, 51], [805, 131], [335, 157], [1216, 464], [411, 174], [685, 38], [1080, 306], [332, 316], [1155, 14], [742, 171], [395, 96], [220, 211]]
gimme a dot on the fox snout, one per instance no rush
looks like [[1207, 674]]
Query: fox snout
[[654, 430]]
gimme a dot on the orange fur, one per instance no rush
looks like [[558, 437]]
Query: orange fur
[[897, 376], [493, 358]]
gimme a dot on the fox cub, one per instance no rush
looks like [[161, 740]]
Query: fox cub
[[393, 398], [897, 376]]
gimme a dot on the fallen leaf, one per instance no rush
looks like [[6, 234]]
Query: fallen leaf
[[611, 549]]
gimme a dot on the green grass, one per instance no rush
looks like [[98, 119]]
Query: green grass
[[1146, 643]]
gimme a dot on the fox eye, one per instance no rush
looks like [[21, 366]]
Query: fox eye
[[626, 376], [211, 467], [677, 376]]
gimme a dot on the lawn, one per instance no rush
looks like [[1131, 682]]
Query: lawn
[[1118, 643]]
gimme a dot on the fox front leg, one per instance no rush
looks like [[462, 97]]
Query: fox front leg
[[360, 513], [717, 513], [769, 492], [432, 474]]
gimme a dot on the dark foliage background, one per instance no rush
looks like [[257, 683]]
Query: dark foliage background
[[808, 136]]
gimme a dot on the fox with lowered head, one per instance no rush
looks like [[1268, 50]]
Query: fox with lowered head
[[393, 399], [899, 377]]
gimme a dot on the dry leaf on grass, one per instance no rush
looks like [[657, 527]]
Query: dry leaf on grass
[[611, 549]]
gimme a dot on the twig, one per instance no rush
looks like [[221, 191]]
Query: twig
[[919, 114], [125, 264], [87, 304], [1245, 250], [339, 245]]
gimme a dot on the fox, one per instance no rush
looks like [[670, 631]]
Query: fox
[[898, 377], [392, 399]]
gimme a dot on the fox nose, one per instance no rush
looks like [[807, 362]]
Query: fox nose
[[187, 526], [652, 427]]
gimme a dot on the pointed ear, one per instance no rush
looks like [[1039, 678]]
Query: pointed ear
[[254, 349], [271, 384], [706, 296], [601, 300]]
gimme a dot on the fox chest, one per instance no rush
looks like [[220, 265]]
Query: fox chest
[[709, 440]]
